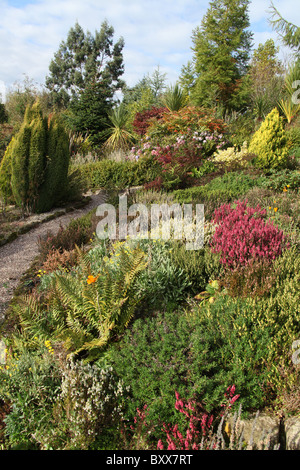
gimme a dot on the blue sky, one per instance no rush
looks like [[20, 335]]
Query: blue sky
[[156, 32]]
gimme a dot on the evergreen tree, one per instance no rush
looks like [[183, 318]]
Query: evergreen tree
[[84, 76], [221, 48], [34, 169]]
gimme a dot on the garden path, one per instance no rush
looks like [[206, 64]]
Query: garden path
[[17, 256]]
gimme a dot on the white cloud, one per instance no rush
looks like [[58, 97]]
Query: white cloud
[[156, 32], [2, 92]]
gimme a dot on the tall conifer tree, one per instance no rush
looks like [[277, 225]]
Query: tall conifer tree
[[221, 48]]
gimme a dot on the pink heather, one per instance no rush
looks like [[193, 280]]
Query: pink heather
[[243, 234]]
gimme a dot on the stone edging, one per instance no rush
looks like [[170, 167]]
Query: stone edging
[[36, 220]]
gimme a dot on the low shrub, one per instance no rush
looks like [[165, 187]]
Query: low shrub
[[59, 260], [281, 180], [153, 360], [110, 174], [87, 406], [243, 234], [78, 232], [232, 158], [29, 382], [220, 190]]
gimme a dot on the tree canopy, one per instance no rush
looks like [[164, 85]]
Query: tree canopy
[[83, 59], [84, 77]]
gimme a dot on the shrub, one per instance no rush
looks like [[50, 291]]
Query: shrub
[[78, 232], [6, 193], [59, 260], [220, 190], [55, 182], [253, 279], [163, 283], [281, 180], [232, 158], [190, 119], [88, 405], [143, 119], [269, 143], [199, 427], [109, 174], [243, 234], [29, 382], [153, 359]]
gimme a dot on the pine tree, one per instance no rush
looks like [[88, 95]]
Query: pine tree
[[221, 48]]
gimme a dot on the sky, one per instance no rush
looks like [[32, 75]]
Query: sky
[[157, 33]]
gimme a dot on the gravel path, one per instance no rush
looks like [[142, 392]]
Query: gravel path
[[16, 257]]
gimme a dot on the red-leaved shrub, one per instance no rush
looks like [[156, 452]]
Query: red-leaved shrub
[[243, 234], [143, 119]]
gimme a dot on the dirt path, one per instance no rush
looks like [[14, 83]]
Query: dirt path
[[16, 257]]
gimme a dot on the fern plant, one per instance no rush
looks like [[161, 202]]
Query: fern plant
[[93, 307]]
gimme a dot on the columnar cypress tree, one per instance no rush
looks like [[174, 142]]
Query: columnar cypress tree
[[56, 169], [19, 166], [5, 174], [34, 170], [37, 154]]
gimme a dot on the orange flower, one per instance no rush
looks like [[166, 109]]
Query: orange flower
[[91, 279], [275, 209]]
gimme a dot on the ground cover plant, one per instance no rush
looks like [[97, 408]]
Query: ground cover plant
[[140, 343]]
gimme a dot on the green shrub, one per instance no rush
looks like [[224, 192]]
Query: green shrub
[[220, 190], [153, 360], [110, 174], [29, 382], [269, 143], [55, 182], [163, 283], [279, 180], [249, 340]]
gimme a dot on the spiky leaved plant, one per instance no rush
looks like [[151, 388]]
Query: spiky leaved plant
[[119, 138]]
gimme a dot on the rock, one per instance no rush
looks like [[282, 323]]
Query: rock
[[292, 433], [260, 432]]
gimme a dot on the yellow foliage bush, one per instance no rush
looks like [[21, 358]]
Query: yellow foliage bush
[[269, 143], [232, 157]]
